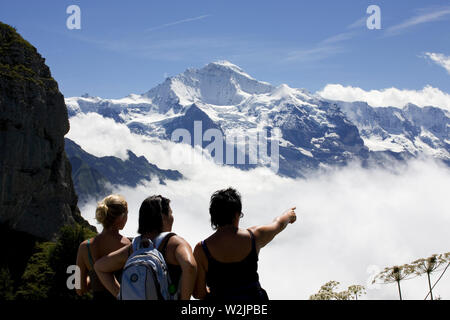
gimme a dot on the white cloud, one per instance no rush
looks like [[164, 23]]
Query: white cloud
[[318, 52], [440, 59], [178, 22], [424, 17], [361, 22], [428, 96], [101, 137], [349, 218]]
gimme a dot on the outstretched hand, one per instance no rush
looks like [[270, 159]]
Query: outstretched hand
[[291, 214]]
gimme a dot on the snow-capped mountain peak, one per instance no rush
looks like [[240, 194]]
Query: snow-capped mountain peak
[[315, 131], [219, 83]]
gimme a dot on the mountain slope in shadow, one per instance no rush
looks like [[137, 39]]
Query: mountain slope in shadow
[[96, 177]]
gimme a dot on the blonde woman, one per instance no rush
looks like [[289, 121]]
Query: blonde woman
[[112, 213], [155, 217]]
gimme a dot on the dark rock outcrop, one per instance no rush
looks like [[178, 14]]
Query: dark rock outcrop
[[36, 191]]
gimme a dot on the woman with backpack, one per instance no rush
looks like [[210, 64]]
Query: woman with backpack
[[112, 213], [155, 218], [228, 260]]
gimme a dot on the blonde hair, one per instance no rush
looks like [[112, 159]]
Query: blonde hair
[[110, 208]]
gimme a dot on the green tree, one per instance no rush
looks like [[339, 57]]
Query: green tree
[[6, 285], [37, 279], [63, 255], [45, 276]]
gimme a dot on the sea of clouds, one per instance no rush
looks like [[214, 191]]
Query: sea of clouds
[[389, 97], [351, 221]]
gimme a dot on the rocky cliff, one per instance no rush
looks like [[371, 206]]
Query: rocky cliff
[[36, 190]]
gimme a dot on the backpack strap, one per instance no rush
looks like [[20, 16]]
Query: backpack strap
[[156, 241], [162, 237], [136, 244], [163, 246]]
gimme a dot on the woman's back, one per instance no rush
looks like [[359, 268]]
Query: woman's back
[[229, 247], [96, 248], [105, 243], [232, 271]]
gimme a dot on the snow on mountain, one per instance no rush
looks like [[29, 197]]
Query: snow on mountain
[[219, 83], [315, 132], [412, 129]]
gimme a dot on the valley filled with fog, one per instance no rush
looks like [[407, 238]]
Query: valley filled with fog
[[351, 221]]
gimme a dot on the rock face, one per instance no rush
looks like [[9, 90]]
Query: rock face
[[36, 190]]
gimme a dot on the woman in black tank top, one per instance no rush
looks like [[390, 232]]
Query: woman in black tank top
[[227, 261]]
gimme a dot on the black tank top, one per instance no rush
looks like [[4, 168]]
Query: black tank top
[[229, 280]]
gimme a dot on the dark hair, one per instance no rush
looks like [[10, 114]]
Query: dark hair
[[223, 206], [150, 214]]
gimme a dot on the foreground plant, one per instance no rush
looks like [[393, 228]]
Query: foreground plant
[[395, 274], [429, 266], [327, 292]]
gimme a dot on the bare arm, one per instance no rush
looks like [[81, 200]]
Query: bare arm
[[200, 289], [105, 267], [264, 234], [84, 278], [186, 260]]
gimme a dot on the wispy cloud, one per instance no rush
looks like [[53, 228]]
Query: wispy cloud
[[339, 37], [361, 22], [321, 50], [327, 47], [177, 22], [316, 53], [425, 16], [440, 59]]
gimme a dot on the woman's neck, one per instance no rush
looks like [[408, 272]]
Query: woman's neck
[[228, 228], [112, 231]]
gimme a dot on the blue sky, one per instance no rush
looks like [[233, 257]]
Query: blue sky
[[129, 47]]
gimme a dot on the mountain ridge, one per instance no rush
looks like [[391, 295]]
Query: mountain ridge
[[315, 131], [95, 177]]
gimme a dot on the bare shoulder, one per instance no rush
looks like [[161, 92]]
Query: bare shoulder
[[82, 252], [83, 245], [177, 240], [200, 256], [125, 241], [255, 230], [198, 247]]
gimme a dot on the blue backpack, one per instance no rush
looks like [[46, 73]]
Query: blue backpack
[[145, 275]]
